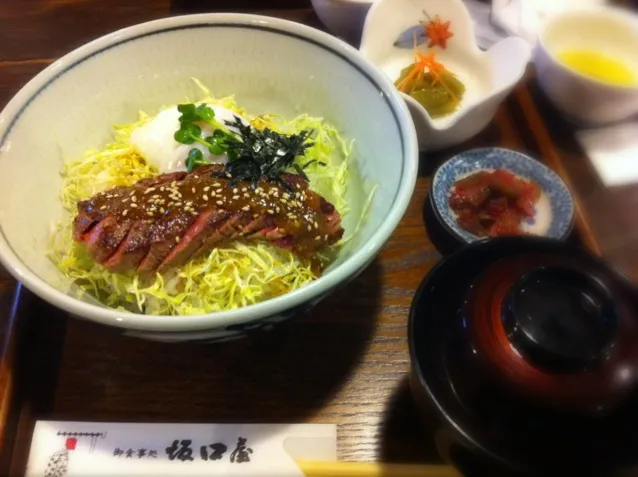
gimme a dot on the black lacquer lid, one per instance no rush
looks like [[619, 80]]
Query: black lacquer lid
[[560, 319]]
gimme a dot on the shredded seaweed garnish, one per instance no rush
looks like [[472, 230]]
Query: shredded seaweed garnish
[[253, 154], [264, 153]]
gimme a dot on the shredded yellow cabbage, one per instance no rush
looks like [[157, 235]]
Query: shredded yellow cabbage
[[232, 276]]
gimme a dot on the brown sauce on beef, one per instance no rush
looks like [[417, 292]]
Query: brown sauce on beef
[[298, 212]]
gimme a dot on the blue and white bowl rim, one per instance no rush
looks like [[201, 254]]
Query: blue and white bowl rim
[[561, 200]]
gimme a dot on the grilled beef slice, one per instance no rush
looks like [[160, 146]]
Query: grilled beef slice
[[167, 220]]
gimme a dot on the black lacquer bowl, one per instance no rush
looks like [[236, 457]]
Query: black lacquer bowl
[[525, 357]]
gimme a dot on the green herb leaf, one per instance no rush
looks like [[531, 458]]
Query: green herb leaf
[[219, 141], [205, 113], [194, 160], [194, 130], [183, 136], [187, 133], [188, 110], [217, 145]]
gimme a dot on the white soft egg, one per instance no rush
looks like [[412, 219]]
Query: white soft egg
[[155, 141]]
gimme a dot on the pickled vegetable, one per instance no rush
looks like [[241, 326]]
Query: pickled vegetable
[[492, 204], [439, 93]]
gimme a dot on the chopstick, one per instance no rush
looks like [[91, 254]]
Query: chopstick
[[373, 469]]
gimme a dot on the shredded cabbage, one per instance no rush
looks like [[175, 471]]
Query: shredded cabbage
[[232, 276]]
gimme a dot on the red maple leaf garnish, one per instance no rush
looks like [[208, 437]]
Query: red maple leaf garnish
[[438, 32]]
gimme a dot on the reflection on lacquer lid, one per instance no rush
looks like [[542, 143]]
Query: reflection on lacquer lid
[[525, 351]]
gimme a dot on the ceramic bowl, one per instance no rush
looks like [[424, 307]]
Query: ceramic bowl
[[344, 18], [489, 76], [607, 30], [492, 409], [524, 17], [554, 211], [271, 66]]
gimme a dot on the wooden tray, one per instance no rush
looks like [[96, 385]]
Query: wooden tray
[[345, 362]]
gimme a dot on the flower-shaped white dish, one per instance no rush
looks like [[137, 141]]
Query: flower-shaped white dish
[[488, 76]]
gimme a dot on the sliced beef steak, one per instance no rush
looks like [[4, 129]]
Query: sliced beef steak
[[104, 237], [132, 249], [190, 245], [160, 240], [167, 220]]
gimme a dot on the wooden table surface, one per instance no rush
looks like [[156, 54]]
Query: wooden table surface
[[345, 362]]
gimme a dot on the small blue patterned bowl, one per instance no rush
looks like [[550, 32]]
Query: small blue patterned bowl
[[554, 212]]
